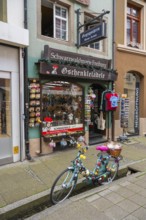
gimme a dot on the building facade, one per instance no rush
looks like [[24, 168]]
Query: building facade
[[67, 81], [130, 44], [13, 39]]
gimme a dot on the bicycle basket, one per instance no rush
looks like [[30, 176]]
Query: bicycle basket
[[115, 152]]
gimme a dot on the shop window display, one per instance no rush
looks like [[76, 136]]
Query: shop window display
[[62, 108]]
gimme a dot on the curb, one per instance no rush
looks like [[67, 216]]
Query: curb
[[36, 203]]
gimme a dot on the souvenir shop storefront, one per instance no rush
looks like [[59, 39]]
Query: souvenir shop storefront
[[71, 97]]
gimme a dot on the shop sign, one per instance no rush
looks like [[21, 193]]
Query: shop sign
[[65, 56], [75, 72], [136, 115], [54, 130], [94, 34]]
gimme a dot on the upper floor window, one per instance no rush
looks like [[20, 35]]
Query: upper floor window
[[3, 10], [54, 20], [96, 45], [133, 26]]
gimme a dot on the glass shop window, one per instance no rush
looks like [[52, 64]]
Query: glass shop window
[[62, 107]]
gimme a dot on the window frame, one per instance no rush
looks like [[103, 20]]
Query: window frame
[[3, 10], [53, 17], [61, 18], [138, 20]]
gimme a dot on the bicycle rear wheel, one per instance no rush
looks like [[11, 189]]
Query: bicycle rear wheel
[[63, 186], [111, 171]]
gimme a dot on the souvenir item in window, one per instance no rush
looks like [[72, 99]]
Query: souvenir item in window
[[31, 124], [32, 120], [81, 139], [31, 109], [47, 124], [32, 114], [37, 96], [32, 90], [37, 90], [32, 103], [37, 109], [63, 143], [74, 105], [52, 144], [37, 114], [32, 96], [37, 103], [70, 117], [91, 94]]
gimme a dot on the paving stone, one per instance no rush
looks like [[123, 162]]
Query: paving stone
[[140, 213], [134, 187], [105, 192], [130, 217], [128, 206], [125, 192], [116, 213], [138, 199], [92, 198], [101, 204], [114, 197]]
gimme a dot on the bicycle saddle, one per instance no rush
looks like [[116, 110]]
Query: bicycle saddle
[[102, 148]]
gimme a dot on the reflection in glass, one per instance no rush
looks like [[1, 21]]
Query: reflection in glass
[[5, 108], [62, 102]]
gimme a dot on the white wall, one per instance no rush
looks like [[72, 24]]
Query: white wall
[[15, 12]]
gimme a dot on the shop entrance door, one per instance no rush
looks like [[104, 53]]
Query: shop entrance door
[[6, 155], [96, 135]]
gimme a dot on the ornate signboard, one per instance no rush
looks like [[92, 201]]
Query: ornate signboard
[[68, 64], [93, 35], [77, 72]]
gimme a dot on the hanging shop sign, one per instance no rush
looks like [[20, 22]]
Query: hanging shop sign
[[94, 34], [136, 115], [76, 72]]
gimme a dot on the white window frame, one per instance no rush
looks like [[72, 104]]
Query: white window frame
[[61, 18]]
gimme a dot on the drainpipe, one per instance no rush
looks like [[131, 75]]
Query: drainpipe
[[26, 97], [113, 60]]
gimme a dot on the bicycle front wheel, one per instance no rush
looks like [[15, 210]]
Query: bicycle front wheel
[[111, 171], [63, 186]]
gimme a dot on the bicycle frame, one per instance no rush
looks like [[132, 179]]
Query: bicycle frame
[[104, 172], [78, 167]]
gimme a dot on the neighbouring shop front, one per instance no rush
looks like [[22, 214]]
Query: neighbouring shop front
[[9, 105], [68, 99]]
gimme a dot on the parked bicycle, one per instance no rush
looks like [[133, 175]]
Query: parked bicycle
[[105, 171]]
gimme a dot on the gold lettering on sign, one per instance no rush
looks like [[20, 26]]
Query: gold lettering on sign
[[85, 2]]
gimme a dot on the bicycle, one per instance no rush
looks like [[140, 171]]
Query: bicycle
[[105, 171]]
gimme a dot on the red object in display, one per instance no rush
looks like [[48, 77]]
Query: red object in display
[[48, 119], [111, 101]]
